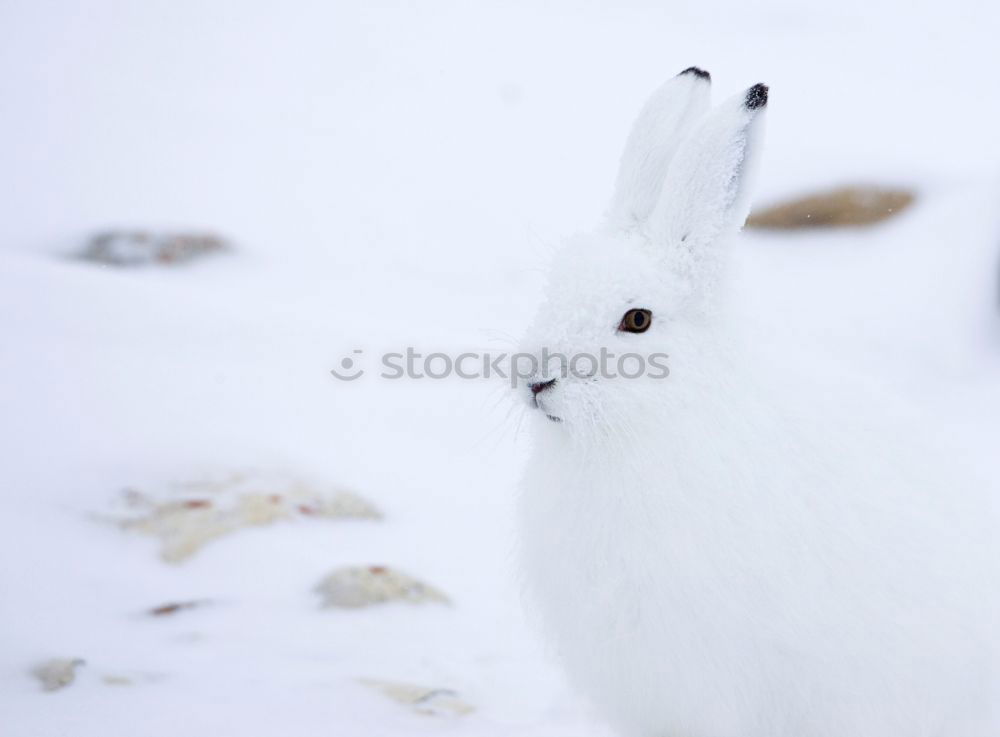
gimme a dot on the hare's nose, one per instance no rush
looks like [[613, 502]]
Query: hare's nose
[[539, 386]]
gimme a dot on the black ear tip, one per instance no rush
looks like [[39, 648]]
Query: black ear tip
[[698, 72], [756, 97]]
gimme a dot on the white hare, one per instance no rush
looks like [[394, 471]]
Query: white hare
[[707, 559]]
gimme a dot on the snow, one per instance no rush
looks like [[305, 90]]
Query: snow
[[399, 176]]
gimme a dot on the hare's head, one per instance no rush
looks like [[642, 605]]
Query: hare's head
[[633, 302]]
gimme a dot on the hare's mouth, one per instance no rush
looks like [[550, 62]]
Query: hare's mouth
[[538, 389]]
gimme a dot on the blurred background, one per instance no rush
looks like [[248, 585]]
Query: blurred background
[[205, 206]]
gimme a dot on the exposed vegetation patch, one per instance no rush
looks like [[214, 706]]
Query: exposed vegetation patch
[[423, 700], [173, 607], [359, 586], [846, 206], [185, 517], [143, 247]]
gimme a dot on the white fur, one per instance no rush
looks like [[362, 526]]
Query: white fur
[[671, 112], [713, 554]]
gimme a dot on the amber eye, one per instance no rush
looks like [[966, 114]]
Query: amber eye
[[636, 321]]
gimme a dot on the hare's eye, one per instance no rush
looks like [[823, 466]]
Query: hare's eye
[[636, 321]]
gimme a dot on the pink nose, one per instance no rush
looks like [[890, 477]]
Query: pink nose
[[540, 386]]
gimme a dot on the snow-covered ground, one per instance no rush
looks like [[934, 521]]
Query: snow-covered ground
[[398, 176]]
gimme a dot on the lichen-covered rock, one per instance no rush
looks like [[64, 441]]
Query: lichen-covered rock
[[57, 673], [359, 586], [142, 247], [187, 516], [859, 205], [423, 700]]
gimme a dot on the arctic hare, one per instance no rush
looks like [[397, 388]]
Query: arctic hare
[[706, 560]]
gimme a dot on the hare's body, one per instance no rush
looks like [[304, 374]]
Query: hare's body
[[711, 581], [707, 563]]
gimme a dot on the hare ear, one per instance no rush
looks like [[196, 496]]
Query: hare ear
[[705, 196], [668, 116]]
